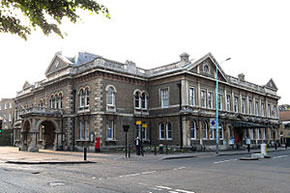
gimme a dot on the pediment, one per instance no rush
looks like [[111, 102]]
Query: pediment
[[271, 85], [58, 63], [206, 66], [26, 85]]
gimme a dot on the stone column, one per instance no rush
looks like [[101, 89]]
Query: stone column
[[185, 133], [69, 118], [33, 147]]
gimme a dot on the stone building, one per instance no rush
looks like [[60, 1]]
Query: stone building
[[7, 113], [285, 124], [89, 96]]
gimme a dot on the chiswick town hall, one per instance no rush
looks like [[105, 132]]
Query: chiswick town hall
[[89, 97]]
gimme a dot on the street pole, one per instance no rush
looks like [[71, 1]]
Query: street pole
[[217, 107]]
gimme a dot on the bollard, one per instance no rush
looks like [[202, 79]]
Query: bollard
[[166, 151], [85, 154], [155, 150], [129, 150], [248, 147], [276, 146]]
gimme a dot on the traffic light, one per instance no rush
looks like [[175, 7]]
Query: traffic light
[[0, 127]]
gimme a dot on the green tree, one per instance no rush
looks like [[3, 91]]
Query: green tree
[[46, 14]]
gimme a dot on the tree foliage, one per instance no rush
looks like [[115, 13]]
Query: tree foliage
[[46, 14]]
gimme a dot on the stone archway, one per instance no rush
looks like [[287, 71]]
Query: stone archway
[[47, 133], [26, 130]]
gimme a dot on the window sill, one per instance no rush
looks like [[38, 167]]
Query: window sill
[[165, 139], [82, 140], [111, 140]]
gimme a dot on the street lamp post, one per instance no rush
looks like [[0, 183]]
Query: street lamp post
[[217, 107]]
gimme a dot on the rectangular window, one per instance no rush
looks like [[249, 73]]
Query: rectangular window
[[251, 134], [264, 133], [243, 105], [269, 110], [10, 105], [10, 117], [275, 111], [236, 104], [210, 100], [81, 130], [250, 107], [86, 130], [262, 110], [168, 131], [144, 131], [220, 102], [258, 134], [5, 106], [0, 107], [256, 108], [164, 98], [110, 130], [228, 102], [192, 96], [203, 98]]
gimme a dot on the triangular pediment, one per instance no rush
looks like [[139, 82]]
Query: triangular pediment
[[26, 85], [58, 63], [271, 85], [206, 66]]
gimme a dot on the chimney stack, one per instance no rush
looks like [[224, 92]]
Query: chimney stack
[[241, 76], [184, 57]]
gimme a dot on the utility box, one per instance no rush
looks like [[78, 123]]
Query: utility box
[[263, 149]]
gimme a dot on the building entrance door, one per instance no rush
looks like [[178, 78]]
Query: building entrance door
[[48, 130]]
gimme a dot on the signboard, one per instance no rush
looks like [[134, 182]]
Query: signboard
[[138, 122], [212, 123], [144, 125]]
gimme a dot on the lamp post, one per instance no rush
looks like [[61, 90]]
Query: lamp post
[[217, 107]]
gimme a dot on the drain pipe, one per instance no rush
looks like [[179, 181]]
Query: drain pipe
[[180, 116]]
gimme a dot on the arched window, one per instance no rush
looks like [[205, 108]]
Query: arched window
[[60, 101], [52, 102], [204, 130], [193, 130], [87, 97], [55, 101], [168, 131], [205, 68], [82, 98], [221, 131], [161, 131], [137, 100], [111, 96], [144, 101]]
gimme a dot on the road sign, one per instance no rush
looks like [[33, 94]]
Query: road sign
[[212, 123]]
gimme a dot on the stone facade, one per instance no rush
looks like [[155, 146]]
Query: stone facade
[[89, 97], [7, 107]]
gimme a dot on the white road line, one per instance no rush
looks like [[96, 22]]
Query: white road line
[[224, 161], [149, 172], [281, 156], [172, 192], [164, 187], [185, 191], [180, 168]]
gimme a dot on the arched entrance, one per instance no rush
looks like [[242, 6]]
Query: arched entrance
[[47, 134], [25, 133]]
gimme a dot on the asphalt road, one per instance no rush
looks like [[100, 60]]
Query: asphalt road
[[207, 174]]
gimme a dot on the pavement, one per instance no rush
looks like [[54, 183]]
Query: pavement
[[14, 156]]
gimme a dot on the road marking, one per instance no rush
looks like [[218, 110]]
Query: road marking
[[281, 156], [172, 192], [184, 191], [180, 168], [149, 172], [224, 161], [164, 187]]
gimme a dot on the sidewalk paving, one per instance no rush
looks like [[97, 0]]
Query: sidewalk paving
[[13, 155]]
